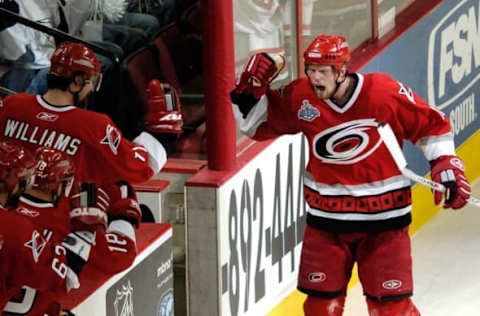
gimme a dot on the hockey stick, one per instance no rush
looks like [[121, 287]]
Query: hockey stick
[[388, 137]]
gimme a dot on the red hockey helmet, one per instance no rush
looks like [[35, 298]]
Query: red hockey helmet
[[53, 168], [327, 50], [16, 165], [72, 57]]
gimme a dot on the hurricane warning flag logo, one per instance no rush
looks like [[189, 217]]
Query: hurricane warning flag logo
[[112, 138]]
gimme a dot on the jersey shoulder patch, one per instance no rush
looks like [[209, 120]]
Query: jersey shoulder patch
[[406, 91]]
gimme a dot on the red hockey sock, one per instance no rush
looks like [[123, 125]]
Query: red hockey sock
[[403, 307], [317, 306]]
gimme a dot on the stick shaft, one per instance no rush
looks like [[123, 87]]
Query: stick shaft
[[388, 137]]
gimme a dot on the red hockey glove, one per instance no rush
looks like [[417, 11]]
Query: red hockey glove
[[88, 208], [259, 71], [124, 204], [54, 309], [449, 171], [165, 114]]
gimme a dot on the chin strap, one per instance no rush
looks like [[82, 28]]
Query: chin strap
[[339, 83], [76, 99], [75, 96]]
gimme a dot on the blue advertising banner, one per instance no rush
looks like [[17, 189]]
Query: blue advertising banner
[[439, 57]]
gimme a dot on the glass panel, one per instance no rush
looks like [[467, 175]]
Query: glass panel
[[269, 26], [155, 39], [350, 18], [387, 10]]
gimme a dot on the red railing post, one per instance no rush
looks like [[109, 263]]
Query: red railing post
[[219, 76]]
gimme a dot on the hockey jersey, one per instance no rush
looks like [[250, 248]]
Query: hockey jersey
[[113, 251], [351, 182], [97, 147], [28, 257]]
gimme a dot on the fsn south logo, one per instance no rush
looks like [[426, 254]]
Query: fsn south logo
[[454, 54], [123, 303]]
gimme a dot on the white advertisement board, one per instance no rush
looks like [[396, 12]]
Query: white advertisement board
[[261, 217]]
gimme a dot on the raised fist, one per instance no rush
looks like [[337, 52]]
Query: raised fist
[[89, 205], [165, 114], [259, 71], [124, 204], [449, 171]]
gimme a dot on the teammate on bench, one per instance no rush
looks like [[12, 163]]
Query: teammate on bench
[[28, 256], [57, 119], [81, 223]]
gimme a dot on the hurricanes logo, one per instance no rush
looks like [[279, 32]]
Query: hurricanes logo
[[112, 138], [392, 284], [347, 143], [317, 277], [123, 301]]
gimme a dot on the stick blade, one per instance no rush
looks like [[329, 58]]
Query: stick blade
[[389, 139]]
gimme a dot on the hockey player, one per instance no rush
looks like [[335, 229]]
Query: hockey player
[[80, 223], [56, 120], [27, 257], [359, 203]]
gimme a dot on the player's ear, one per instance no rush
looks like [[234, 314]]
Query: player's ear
[[78, 80], [342, 73]]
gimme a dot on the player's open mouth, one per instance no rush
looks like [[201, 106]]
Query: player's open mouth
[[319, 88]]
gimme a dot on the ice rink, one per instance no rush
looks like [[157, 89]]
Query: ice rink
[[446, 256]]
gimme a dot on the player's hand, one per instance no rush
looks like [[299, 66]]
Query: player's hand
[[78, 245], [165, 115], [450, 171], [259, 71], [124, 204], [55, 309], [89, 205]]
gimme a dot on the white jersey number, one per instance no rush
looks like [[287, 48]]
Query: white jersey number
[[24, 304]]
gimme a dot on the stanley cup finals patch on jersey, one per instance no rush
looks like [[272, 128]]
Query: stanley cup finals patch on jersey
[[308, 112]]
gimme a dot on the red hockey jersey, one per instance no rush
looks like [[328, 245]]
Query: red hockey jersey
[[113, 251], [97, 147], [351, 182], [28, 257]]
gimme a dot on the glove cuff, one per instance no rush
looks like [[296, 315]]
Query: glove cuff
[[126, 209], [244, 101]]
